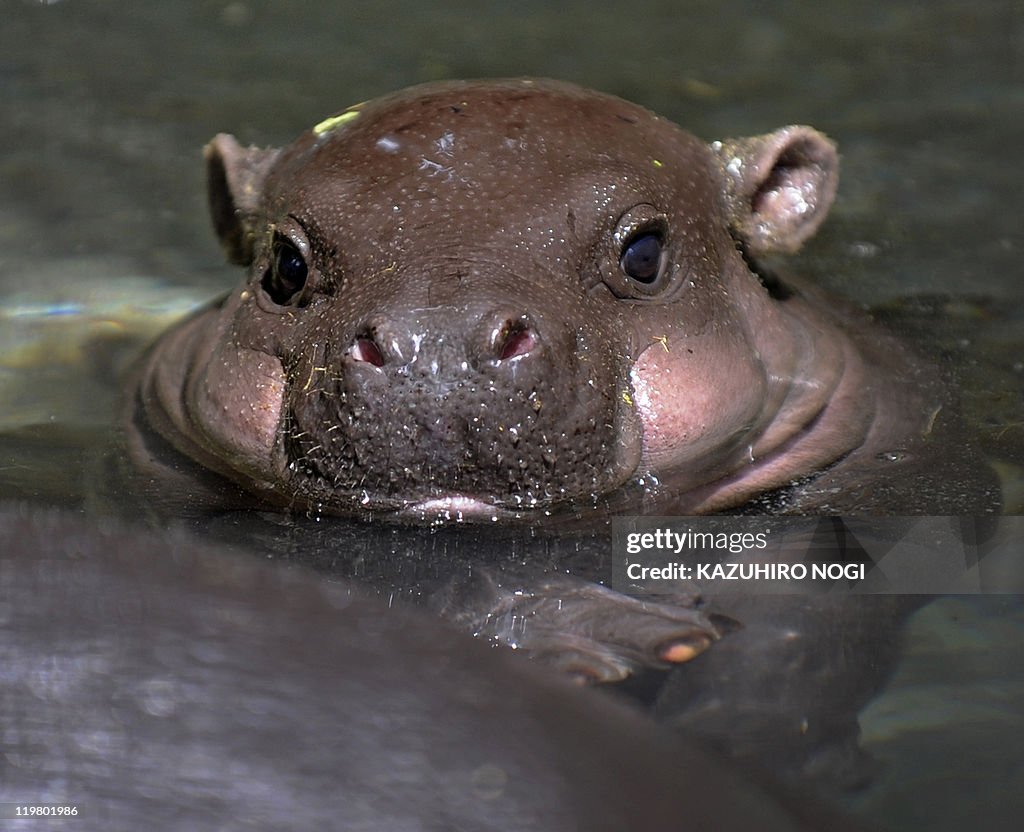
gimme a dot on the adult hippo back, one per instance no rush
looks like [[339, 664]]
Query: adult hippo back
[[162, 684], [493, 299]]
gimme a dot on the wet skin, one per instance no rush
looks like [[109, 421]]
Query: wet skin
[[523, 299], [160, 683]]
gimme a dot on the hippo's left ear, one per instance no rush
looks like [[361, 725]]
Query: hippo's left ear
[[778, 186], [234, 187]]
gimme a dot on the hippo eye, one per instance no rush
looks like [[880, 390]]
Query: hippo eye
[[642, 258], [287, 274], [638, 264]]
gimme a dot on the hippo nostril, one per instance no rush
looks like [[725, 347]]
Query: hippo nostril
[[364, 349], [519, 339]]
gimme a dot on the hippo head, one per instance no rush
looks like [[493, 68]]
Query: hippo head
[[489, 298]]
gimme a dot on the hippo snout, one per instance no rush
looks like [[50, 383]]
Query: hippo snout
[[455, 405], [385, 341]]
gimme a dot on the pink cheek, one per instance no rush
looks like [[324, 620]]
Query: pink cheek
[[691, 408], [241, 402], [669, 418], [260, 411]]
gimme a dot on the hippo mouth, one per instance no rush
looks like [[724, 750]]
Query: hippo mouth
[[418, 443], [456, 508], [330, 474]]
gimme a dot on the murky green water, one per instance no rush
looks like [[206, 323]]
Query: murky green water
[[105, 239]]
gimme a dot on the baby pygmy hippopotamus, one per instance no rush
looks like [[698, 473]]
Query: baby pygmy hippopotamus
[[520, 298]]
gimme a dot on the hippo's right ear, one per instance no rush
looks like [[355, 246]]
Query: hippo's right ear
[[234, 185], [778, 187]]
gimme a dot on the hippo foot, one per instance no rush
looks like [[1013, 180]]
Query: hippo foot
[[581, 628]]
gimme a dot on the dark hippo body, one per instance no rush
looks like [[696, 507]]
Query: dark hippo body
[[158, 684], [521, 298]]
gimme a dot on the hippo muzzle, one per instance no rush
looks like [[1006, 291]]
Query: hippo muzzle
[[455, 408]]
